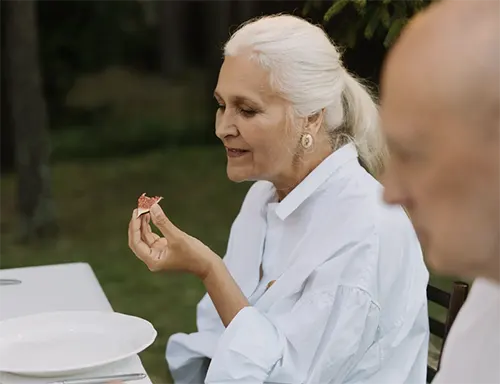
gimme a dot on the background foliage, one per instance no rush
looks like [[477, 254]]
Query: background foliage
[[355, 19]]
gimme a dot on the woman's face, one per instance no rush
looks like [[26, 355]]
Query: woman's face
[[252, 123]]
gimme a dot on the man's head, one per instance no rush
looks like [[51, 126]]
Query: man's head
[[440, 113]]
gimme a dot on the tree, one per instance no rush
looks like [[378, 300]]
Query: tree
[[7, 141], [219, 16], [246, 10], [171, 18], [29, 120], [382, 19], [217, 32]]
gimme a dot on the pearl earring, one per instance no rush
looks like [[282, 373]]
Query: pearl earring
[[306, 140]]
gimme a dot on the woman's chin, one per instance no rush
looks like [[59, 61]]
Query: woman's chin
[[237, 176]]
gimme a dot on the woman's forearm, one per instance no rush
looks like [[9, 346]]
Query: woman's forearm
[[224, 292]]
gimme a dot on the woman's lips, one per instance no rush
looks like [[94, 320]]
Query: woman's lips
[[235, 152]]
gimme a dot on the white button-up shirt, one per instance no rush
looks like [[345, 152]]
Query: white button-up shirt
[[471, 354], [348, 303]]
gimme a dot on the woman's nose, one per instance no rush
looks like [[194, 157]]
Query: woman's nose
[[225, 126]]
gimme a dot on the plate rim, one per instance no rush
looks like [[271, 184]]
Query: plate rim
[[152, 337]]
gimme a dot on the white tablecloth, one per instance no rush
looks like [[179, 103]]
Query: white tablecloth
[[49, 288]]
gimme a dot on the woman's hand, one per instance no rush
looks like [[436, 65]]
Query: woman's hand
[[176, 251]]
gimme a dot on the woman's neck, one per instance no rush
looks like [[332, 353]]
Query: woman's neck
[[300, 170]]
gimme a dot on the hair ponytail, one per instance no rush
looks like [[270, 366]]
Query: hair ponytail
[[362, 121]]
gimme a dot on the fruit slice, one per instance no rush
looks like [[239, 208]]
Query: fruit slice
[[144, 203]]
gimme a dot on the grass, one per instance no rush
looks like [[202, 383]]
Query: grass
[[95, 200], [127, 94]]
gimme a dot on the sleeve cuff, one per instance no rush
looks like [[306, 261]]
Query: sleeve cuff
[[247, 351]]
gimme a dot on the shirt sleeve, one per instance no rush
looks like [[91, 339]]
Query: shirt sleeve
[[188, 355], [324, 336]]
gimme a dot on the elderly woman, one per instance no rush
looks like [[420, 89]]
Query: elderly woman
[[322, 282]]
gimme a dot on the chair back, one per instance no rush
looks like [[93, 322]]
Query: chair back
[[452, 302]]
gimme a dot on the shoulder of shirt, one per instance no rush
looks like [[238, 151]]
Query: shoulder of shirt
[[363, 194], [355, 202], [391, 223], [400, 264]]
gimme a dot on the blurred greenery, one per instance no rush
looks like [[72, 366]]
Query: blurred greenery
[[78, 37], [355, 19], [125, 112]]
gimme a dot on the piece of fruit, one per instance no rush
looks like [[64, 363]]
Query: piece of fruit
[[144, 203]]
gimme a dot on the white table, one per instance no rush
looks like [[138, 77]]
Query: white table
[[72, 286]]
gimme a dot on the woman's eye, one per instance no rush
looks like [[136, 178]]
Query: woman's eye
[[221, 107], [247, 112]]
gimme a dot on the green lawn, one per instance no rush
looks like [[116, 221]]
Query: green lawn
[[95, 200]]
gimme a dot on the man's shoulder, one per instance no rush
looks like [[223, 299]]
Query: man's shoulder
[[472, 350]]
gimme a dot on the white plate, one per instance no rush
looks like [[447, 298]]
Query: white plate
[[68, 342]]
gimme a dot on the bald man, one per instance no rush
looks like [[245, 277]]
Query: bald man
[[440, 108]]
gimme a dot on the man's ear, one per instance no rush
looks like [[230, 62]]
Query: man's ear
[[314, 122]]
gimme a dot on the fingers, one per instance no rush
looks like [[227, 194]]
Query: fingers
[[159, 219], [151, 256], [146, 233], [142, 250]]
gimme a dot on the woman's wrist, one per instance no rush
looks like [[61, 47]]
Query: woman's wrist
[[212, 269], [224, 291], [209, 263]]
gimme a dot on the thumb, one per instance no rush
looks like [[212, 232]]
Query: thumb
[[159, 219]]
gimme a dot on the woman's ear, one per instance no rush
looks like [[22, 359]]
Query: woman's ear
[[314, 122]]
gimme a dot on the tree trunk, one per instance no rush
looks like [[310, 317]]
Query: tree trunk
[[217, 32], [7, 139], [246, 10], [171, 16], [219, 18], [30, 120]]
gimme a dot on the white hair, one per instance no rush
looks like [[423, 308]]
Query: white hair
[[305, 67]]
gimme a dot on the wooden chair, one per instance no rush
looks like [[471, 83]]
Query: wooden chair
[[452, 302]]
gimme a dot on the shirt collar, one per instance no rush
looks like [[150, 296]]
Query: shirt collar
[[315, 179]]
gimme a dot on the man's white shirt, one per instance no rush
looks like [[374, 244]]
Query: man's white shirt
[[471, 354]]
